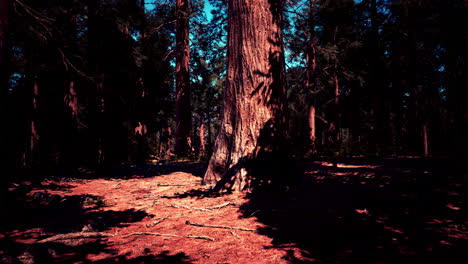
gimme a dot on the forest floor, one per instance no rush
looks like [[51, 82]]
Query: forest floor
[[362, 211]]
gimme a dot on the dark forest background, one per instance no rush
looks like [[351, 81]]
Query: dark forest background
[[92, 83]]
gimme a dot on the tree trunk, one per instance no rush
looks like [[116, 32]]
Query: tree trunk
[[3, 28], [312, 127], [168, 153], [425, 140], [34, 132], [201, 133], [4, 142], [253, 122], [311, 60], [183, 109]]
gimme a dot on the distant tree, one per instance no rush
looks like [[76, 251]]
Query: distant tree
[[253, 123]]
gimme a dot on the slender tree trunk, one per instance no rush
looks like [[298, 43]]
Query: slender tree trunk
[[311, 58], [253, 123], [201, 132], [312, 127], [168, 153], [34, 126], [71, 109], [183, 109], [4, 14], [5, 161], [425, 140], [3, 29]]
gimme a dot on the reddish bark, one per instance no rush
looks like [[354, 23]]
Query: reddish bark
[[183, 109], [255, 94]]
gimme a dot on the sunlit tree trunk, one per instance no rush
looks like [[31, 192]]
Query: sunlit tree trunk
[[201, 133], [311, 60], [252, 127], [183, 109]]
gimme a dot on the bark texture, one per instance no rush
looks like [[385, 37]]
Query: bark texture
[[183, 109], [253, 121]]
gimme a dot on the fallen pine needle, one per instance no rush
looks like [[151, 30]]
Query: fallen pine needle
[[75, 236], [216, 226]]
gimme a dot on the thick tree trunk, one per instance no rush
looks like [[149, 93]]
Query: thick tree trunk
[[183, 109], [255, 96]]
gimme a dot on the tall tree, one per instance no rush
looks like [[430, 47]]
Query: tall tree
[[183, 111], [3, 72], [3, 27], [310, 83], [254, 101]]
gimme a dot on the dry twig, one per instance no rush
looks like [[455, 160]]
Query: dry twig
[[222, 227], [203, 209], [148, 234], [234, 234], [156, 222]]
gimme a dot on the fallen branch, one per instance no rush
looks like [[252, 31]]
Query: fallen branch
[[188, 207], [75, 236], [202, 237], [155, 222], [173, 185], [220, 206], [222, 227], [148, 234], [234, 234], [168, 235], [203, 209]]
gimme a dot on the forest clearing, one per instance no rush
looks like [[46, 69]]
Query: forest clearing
[[233, 131], [387, 211]]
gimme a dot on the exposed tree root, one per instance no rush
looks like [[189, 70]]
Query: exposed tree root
[[222, 227]]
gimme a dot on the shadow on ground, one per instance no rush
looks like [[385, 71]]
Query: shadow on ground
[[34, 217], [387, 211]]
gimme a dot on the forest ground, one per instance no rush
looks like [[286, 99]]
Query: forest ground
[[395, 210]]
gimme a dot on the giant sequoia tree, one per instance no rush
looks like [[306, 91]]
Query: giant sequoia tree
[[183, 112], [254, 100]]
